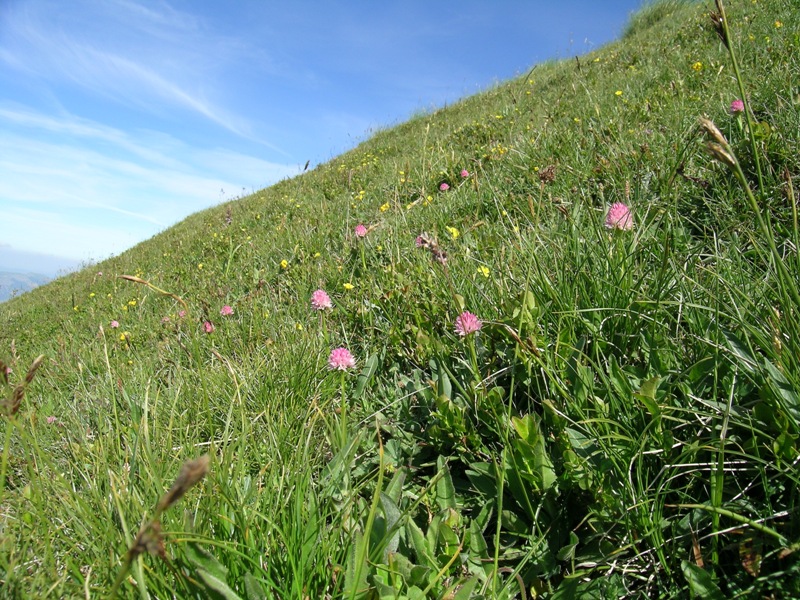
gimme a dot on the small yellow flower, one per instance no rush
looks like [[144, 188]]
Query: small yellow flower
[[384, 207], [109, 296], [284, 264], [348, 286], [316, 255], [200, 266], [698, 66], [131, 302], [618, 93], [299, 326], [778, 24], [91, 295], [483, 271], [379, 248], [453, 232], [76, 308]]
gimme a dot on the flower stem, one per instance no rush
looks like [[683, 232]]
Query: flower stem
[[748, 112], [343, 415]]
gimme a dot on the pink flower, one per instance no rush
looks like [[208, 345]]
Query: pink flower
[[99, 273], [467, 323], [226, 311], [165, 320], [181, 313], [444, 187], [341, 359], [51, 420], [619, 217], [320, 300], [420, 241], [464, 173], [360, 230], [208, 326], [114, 324], [737, 107]]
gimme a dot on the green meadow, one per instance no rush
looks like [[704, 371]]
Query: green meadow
[[557, 354]]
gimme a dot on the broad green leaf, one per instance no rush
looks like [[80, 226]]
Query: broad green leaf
[[392, 515], [355, 581], [740, 351], [367, 373], [531, 446], [203, 559], [700, 582], [217, 585], [423, 554], [465, 589], [646, 394], [445, 490], [252, 588], [394, 489], [567, 551]]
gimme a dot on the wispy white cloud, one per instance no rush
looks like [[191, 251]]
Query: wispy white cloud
[[63, 178], [154, 59]]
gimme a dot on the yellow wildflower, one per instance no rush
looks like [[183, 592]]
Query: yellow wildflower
[[698, 66], [348, 286], [284, 264], [384, 207], [453, 232], [483, 271]]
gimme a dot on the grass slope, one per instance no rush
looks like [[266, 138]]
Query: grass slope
[[624, 424]]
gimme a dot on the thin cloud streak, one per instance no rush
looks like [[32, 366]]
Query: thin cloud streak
[[149, 83], [89, 172]]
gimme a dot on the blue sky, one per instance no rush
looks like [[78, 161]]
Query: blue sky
[[119, 118]]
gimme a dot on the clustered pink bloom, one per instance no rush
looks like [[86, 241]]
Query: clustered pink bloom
[[181, 313], [467, 323], [341, 359], [165, 320], [420, 241], [737, 107], [360, 230], [51, 420], [226, 311], [464, 173], [114, 324], [444, 187], [320, 300], [208, 326], [619, 217]]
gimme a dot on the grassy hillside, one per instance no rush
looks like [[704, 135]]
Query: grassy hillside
[[616, 416]]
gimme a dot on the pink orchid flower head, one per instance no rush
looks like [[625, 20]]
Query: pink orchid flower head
[[341, 360], [467, 323], [619, 217], [320, 300]]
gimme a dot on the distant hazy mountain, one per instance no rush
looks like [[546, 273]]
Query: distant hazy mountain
[[11, 283]]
